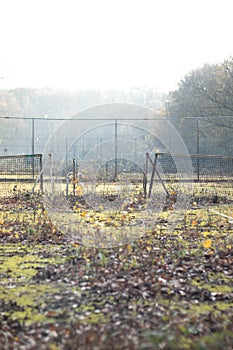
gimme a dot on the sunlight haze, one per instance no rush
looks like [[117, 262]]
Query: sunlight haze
[[110, 44]]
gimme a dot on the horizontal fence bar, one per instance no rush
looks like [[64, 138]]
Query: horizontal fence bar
[[193, 155], [21, 156]]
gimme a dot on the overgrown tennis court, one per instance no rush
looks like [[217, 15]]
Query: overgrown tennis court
[[165, 290], [162, 289]]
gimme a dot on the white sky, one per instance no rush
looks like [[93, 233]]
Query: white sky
[[110, 43]]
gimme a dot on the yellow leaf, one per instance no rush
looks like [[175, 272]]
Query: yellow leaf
[[129, 247], [79, 190], [203, 223], [206, 233], [211, 252], [194, 223], [109, 221], [207, 243]]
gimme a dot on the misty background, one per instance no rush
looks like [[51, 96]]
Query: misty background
[[61, 57]]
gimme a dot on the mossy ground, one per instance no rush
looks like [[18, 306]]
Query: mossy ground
[[166, 290]]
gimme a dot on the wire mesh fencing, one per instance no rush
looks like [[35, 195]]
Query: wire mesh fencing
[[206, 168], [212, 176], [16, 170]]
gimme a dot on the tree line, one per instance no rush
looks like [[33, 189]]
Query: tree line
[[200, 108], [29, 102]]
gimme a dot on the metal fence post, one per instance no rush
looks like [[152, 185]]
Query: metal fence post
[[198, 151], [41, 175], [74, 176]]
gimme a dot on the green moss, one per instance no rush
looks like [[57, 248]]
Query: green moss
[[215, 341], [14, 267], [171, 340], [215, 308], [26, 300], [94, 318], [182, 339], [18, 266], [219, 288], [91, 313], [54, 347], [29, 316], [213, 286], [21, 264]]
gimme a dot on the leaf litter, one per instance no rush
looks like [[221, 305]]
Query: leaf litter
[[166, 290]]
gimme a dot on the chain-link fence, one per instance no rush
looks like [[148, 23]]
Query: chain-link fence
[[206, 168], [20, 169], [206, 135], [90, 137]]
